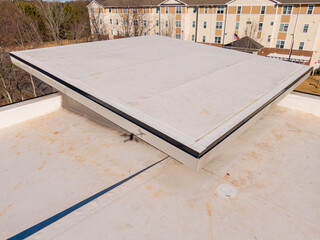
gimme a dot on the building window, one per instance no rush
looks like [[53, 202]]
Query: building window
[[99, 10], [125, 21], [178, 10], [157, 10], [271, 23], [204, 24], [283, 27], [217, 40], [260, 26], [310, 9], [167, 10], [100, 21], [110, 10], [220, 9], [194, 9], [219, 25], [192, 37], [280, 44], [110, 21], [301, 45], [92, 10], [178, 36], [135, 22], [126, 33], [157, 22], [167, 23], [117, 21], [178, 24], [135, 10], [116, 10], [111, 32], [237, 26], [305, 28], [118, 33], [193, 24], [144, 10], [125, 10], [145, 23], [206, 10], [263, 10], [239, 10], [287, 10], [203, 38], [269, 38]]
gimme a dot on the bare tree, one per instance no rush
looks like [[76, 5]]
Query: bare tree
[[251, 31], [4, 88], [25, 25], [30, 24], [99, 28], [79, 24], [132, 23], [17, 28], [16, 84], [54, 16], [168, 27]]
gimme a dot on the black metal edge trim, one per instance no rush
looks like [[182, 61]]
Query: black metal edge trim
[[114, 110], [244, 121]]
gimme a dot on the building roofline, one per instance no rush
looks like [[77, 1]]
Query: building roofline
[[94, 1], [160, 4], [213, 3], [175, 0], [280, 2]]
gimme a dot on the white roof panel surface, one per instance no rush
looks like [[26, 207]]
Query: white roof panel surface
[[53, 163], [189, 95]]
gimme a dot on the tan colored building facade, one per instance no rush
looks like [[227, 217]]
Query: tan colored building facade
[[277, 25]]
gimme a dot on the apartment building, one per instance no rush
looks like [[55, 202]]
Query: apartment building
[[284, 27]]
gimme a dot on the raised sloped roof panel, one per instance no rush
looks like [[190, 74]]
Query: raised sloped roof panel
[[190, 96]]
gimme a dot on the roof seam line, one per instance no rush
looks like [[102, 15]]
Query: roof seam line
[[45, 223]]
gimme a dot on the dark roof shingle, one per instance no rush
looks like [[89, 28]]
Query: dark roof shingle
[[245, 43]]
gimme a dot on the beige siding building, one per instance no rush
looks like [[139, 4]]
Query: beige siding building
[[277, 25]]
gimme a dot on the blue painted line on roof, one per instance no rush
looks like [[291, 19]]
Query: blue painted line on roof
[[36, 228]]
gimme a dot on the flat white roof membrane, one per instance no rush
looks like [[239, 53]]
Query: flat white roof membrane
[[185, 99]]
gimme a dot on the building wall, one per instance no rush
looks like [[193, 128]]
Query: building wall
[[164, 22]]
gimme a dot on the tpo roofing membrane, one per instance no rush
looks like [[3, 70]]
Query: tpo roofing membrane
[[187, 99]]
